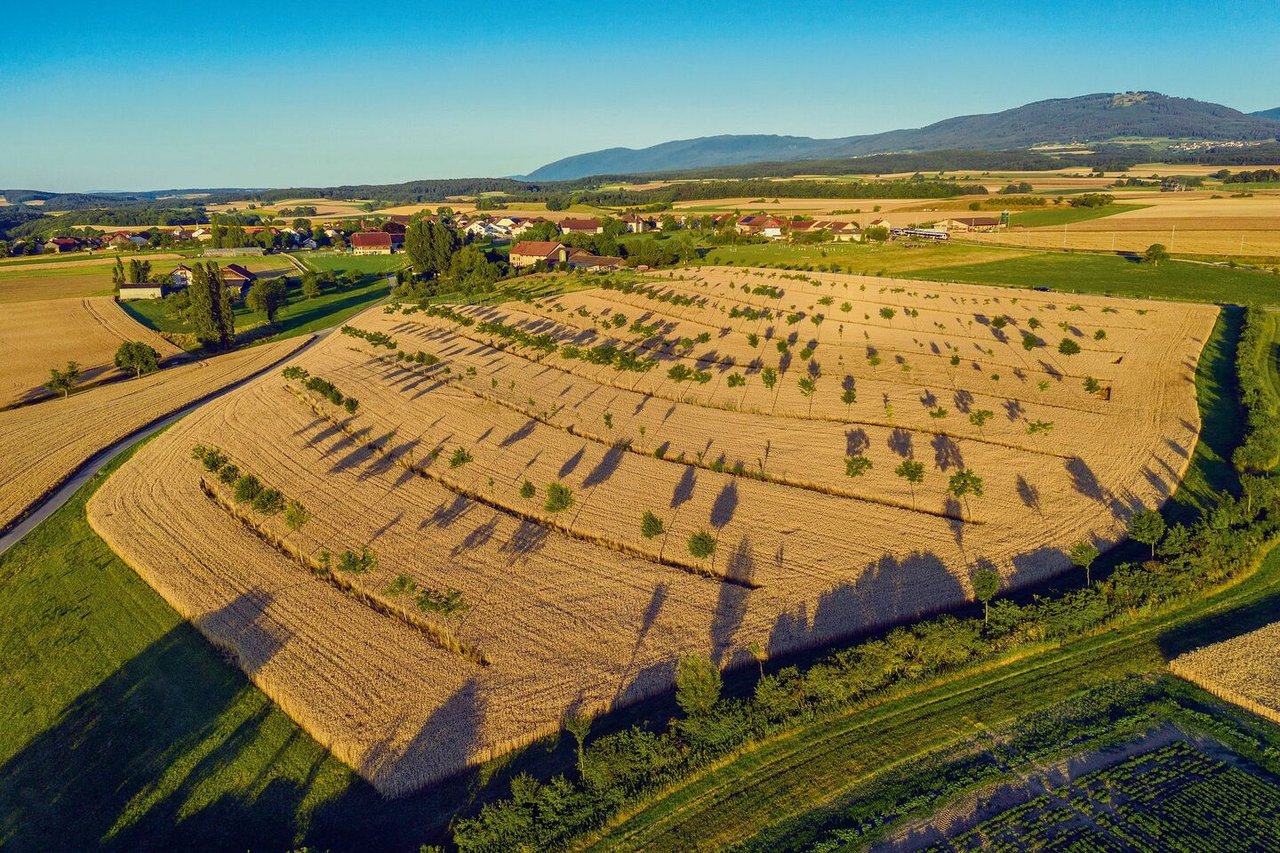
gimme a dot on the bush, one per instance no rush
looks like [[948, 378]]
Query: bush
[[229, 474], [268, 501], [460, 457], [702, 544], [528, 490], [349, 561], [296, 515], [559, 497], [1068, 347], [247, 488]]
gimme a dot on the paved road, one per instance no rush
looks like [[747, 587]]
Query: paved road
[[81, 475]]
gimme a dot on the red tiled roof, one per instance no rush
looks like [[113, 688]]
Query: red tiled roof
[[235, 271], [371, 240], [536, 248], [580, 224]]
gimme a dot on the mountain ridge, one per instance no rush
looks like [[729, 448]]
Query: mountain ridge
[[1090, 118]]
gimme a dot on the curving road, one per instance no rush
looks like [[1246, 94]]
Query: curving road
[[54, 501]]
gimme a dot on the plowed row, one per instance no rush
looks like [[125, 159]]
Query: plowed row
[[577, 609]]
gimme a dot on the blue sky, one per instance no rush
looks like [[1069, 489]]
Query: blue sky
[[158, 95]]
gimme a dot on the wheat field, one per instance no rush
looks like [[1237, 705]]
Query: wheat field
[[1240, 670], [447, 469], [37, 336], [42, 444]]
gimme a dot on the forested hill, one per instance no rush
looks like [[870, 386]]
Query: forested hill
[[1088, 118], [1273, 114]]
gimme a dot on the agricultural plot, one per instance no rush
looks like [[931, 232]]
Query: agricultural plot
[[37, 336], [521, 511], [1173, 798], [41, 445], [1240, 670]]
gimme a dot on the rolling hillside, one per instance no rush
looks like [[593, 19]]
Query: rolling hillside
[[1088, 118]]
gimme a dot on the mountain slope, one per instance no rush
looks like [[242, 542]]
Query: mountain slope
[[1273, 114], [1088, 118]]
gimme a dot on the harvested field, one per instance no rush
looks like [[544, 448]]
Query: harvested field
[[43, 444], [1241, 670], [480, 602], [30, 282], [38, 336]]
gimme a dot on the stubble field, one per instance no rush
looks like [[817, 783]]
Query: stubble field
[[38, 336], [474, 524], [42, 444]]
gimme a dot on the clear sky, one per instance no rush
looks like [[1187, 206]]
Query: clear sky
[[148, 95]]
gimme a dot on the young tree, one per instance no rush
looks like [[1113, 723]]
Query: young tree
[[137, 357], [980, 417], [1155, 253], [1068, 347], [1147, 526], [311, 287], [268, 295], [651, 526], [1082, 554], [964, 483], [578, 724], [986, 585], [62, 381], [913, 472], [698, 684], [856, 466]]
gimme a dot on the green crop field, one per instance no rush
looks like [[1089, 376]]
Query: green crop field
[[341, 262], [26, 282], [1064, 215]]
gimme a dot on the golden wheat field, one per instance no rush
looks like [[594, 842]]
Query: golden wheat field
[[443, 599], [38, 336], [42, 444], [1240, 670]]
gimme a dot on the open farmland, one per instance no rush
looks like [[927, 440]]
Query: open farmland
[[37, 336], [476, 518], [1240, 670], [41, 445]]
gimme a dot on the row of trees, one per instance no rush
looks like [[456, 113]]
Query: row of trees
[[134, 357]]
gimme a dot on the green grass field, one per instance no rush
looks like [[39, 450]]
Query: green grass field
[[24, 282], [1065, 214], [340, 262], [301, 316]]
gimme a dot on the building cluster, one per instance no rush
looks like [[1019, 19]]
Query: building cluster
[[233, 275]]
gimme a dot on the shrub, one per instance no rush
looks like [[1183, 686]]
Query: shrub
[[1092, 385], [887, 313], [528, 490], [350, 561], [229, 474], [459, 458], [702, 544], [856, 466], [807, 385], [769, 377], [296, 515], [651, 526], [268, 501], [559, 497], [448, 602], [350, 404], [1068, 347], [294, 372], [247, 488], [737, 380]]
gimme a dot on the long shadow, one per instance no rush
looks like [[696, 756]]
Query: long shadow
[[1219, 627]]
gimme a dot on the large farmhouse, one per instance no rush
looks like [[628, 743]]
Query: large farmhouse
[[372, 243], [526, 253]]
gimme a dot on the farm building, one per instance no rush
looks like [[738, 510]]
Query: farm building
[[529, 252], [371, 243], [62, 244], [141, 291], [969, 223], [581, 226], [237, 276], [637, 224], [181, 276], [584, 260]]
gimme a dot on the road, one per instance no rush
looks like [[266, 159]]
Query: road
[[51, 503]]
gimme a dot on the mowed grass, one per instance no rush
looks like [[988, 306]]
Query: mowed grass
[[1065, 214], [1080, 272], [891, 258], [301, 316], [368, 264]]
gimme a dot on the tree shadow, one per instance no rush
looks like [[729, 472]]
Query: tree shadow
[[606, 467], [571, 463], [731, 605], [684, 489], [1083, 479], [856, 442], [900, 443], [1028, 494], [725, 505], [946, 453]]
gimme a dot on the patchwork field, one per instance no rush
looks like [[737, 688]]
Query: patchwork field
[[534, 509], [41, 445], [1240, 670], [38, 336], [92, 276]]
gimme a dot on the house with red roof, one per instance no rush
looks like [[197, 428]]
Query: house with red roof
[[371, 243], [581, 226]]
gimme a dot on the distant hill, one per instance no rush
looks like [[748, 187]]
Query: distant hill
[[1085, 119], [1273, 114]]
